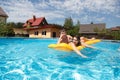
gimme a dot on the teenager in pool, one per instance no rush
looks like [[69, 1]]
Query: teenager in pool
[[84, 39], [64, 38], [78, 42]]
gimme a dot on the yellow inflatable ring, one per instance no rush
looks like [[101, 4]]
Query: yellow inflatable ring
[[67, 47]]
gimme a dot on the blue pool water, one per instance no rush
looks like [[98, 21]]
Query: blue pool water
[[31, 59]]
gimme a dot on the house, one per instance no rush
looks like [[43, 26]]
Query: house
[[3, 16], [20, 32], [39, 28], [92, 29], [117, 28], [114, 32]]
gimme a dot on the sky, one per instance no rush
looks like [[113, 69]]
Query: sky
[[55, 11]]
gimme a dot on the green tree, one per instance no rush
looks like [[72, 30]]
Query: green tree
[[115, 34], [76, 28], [68, 24], [6, 30], [78, 23], [19, 25], [70, 28], [12, 24], [73, 31]]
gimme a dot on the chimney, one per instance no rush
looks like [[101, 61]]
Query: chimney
[[34, 18]]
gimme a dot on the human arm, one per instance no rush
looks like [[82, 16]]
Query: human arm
[[60, 38], [86, 45], [93, 38], [63, 38], [76, 50]]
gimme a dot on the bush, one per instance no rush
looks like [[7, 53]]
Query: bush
[[6, 30]]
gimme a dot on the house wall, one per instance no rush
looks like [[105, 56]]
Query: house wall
[[2, 19], [90, 28], [19, 31], [49, 32], [57, 32], [32, 33]]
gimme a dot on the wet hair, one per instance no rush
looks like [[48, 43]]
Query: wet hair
[[63, 30], [78, 38], [64, 37]]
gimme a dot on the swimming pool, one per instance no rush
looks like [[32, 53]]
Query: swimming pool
[[31, 59]]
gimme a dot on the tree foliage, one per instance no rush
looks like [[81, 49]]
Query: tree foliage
[[68, 24], [19, 25], [6, 30], [73, 31], [70, 28], [114, 34], [78, 23]]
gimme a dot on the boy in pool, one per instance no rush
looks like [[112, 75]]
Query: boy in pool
[[64, 38]]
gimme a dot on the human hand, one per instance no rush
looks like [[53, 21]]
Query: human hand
[[62, 34], [84, 56]]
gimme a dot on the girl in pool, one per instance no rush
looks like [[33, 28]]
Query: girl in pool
[[64, 38], [78, 41]]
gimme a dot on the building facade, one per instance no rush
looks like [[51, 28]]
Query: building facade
[[20, 32], [92, 29], [117, 28], [39, 28], [3, 16]]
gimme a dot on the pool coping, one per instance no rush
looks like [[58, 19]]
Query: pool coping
[[118, 41]]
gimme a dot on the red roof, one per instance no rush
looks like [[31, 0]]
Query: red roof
[[115, 29], [35, 22], [45, 26]]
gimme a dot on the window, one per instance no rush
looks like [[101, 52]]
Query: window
[[54, 34], [43, 23], [36, 33], [43, 32]]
